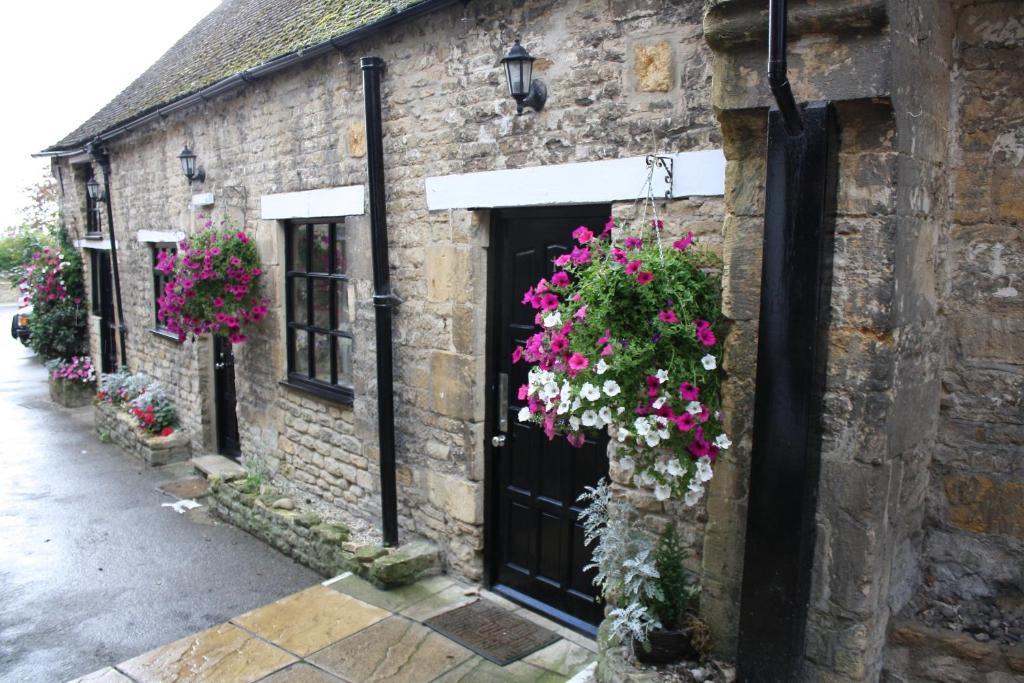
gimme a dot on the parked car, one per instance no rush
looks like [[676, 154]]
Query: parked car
[[19, 324]]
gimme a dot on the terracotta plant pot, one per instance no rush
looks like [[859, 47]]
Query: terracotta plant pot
[[666, 647]]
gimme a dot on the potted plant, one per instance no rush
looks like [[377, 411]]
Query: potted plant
[[213, 285], [72, 382], [628, 343]]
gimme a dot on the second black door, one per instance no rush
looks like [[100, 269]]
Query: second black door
[[224, 393], [536, 549]]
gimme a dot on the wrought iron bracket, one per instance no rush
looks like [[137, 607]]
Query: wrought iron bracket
[[665, 163], [389, 300]]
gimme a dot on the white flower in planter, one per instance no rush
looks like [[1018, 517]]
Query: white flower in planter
[[524, 414], [611, 388], [626, 464], [563, 407], [622, 435], [553, 320], [601, 367], [693, 408], [605, 414], [642, 426], [709, 362], [722, 441], [662, 376], [704, 471], [590, 392], [652, 439], [659, 403], [662, 492], [574, 423], [674, 469], [589, 418]]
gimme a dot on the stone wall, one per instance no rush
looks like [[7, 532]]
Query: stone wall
[[114, 424], [623, 78]]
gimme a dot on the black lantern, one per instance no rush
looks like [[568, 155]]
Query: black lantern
[[526, 91], [94, 190], [188, 166]]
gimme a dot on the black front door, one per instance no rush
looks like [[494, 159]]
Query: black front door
[[536, 553], [224, 392], [101, 283]]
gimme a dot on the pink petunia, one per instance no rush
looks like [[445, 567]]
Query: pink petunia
[[549, 302], [560, 279], [524, 391], [608, 227], [517, 354], [688, 392], [559, 343], [634, 243], [605, 338], [644, 277], [684, 243], [685, 422], [218, 302], [657, 224], [581, 313], [562, 260], [576, 439], [633, 266], [578, 361], [653, 383], [582, 234], [619, 256], [607, 350], [528, 296], [706, 336], [668, 316], [580, 256]]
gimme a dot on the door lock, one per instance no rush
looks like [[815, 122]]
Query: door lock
[[498, 440], [219, 366]]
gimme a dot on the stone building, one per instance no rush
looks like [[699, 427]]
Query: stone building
[[917, 571]]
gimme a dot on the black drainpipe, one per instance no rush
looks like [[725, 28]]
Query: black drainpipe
[[103, 159], [792, 349], [383, 299]]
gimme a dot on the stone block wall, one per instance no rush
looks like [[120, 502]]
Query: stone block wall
[[113, 423], [623, 78]]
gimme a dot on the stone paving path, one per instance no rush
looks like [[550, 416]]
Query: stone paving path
[[345, 629]]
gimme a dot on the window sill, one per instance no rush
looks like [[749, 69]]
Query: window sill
[[93, 236], [164, 334], [340, 395]]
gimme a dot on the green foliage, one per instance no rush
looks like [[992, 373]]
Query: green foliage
[[58, 331], [677, 590], [54, 283], [16, 253]]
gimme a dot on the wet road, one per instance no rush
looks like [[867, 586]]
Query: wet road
[[92, 569]]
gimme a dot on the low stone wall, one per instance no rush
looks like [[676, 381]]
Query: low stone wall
[[72, 394], [919, 653], [322, 546], [117, 426]]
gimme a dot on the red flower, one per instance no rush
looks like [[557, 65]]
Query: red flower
[[166, 431], [644, 277]]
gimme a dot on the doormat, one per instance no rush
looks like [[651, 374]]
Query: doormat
[[492, 631], [193, 487]]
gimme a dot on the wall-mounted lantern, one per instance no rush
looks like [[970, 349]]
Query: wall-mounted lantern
[[94, 190], [527, 91], [188, 166]]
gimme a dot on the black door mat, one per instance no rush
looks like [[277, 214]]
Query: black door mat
[[492, 631]]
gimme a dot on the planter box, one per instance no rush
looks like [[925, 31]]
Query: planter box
[[72, 394], [113, 423]]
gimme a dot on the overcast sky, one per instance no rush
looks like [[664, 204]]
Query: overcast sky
[[61, 61]]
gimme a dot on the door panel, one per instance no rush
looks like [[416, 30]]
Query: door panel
[[228, 443], [536, 549], [102, 279]]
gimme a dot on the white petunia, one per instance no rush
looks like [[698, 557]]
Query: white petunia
[[611, 387], [574, 423], [642, 425], [709, 362], [663, 433], [646, 479], [553, 319], [693, 408], [550, 390], [601, 367], [563, 407], [659, 403], [626, 464], [704, 471], [576, 404], [674, 469], [662, 376], [566, 391], [589, 418], [605, 414], [660, 467], [524, 414], [722, 441], [692, 498], [652, 439], [620, 410], [590, 392], [622, 435], [662, 492]]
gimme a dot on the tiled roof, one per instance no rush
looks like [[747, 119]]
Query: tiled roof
[[237, 35]]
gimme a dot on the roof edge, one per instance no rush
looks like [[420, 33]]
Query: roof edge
[[250, 75]]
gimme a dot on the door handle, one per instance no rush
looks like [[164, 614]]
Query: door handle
[[219, 366], [498, 440]]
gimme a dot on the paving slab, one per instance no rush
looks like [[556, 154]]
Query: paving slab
[[449, 598], [396, 650], [221, 653], [394, 600], [218, 466], [302, 672], [563, 657], [310, 620], [479, 670], [107, 674]]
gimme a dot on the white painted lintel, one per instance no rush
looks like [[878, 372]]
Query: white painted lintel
[[327, 203], [160, 235], [102, 245], [700, 173]]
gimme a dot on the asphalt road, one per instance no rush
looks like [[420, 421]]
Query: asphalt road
[[92, 569]]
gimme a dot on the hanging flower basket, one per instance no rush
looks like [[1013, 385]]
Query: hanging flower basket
[[213, 285], [629, 341]]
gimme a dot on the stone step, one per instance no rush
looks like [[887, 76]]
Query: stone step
[[218, 466]]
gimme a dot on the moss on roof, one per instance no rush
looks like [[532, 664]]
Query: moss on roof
[[237, 35]]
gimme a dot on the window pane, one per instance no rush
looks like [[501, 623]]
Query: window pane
[[340, 250], [345, 361], [322, 350], [298, 248], [301, 353], [346, 292], [321, 248], [322, 303], [299, 310]]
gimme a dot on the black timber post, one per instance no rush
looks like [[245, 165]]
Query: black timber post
[[103, 159], [799, 233], [383, 299]]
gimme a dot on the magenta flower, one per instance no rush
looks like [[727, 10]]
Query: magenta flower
[[578, 361], [688, 392], [608, 227], [524, 391], [549, 302], [559, 343], [668, 316], [607, 350], [576, 439], [619, 256], [644, 277], [634, 243], [706, 336], [517, 354], [582, 234], [685, 422], [580, 255], [218, 302], [633, 266], [562, 260], [657, 224], [605, 338], [560, 279], [581, 313], [684, 243]]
